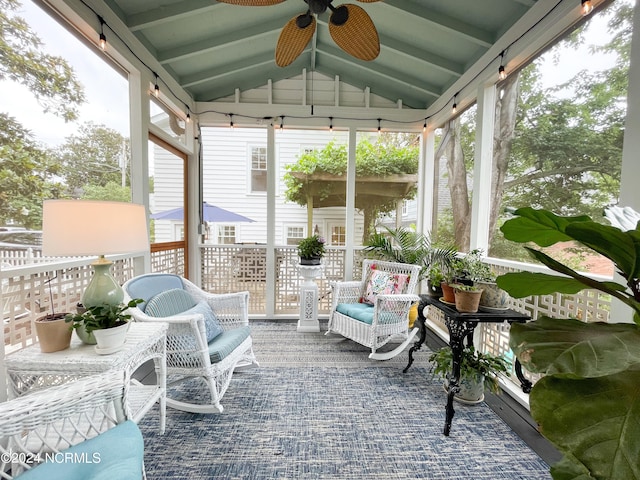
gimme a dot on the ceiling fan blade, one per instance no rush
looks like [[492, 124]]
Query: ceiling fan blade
[[354, 32], [252, 3], [294, 38]]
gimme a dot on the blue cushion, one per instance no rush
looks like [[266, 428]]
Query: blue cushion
[[362, 312], [211, 323], [179, 302], [227, 342], [148, 286], [171, 302], [116, 453]]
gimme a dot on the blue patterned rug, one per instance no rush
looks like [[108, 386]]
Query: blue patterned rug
[[317, 420]]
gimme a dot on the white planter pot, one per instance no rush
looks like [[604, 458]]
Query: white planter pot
[[110, 340]]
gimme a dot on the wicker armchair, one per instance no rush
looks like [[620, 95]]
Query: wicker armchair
[[386, 317], [192, 351], [77, 430]]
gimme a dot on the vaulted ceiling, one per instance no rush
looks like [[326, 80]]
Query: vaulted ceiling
[[213, 48]]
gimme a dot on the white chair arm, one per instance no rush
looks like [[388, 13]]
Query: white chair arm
[[346, 292]]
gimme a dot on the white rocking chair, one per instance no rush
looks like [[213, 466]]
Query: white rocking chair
[[191, 350], [391, 295]]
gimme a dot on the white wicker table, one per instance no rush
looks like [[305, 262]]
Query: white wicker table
[[29, 369]]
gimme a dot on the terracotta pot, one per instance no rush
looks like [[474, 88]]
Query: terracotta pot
[[447, 293], [54, 334], [467, 301]]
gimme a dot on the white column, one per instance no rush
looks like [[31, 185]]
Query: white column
[[351, 203], [270, 300]]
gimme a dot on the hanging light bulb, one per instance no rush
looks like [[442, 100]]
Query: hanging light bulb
[[587, 7], [102, 38], [331, 124], [424, 127], [231, 121], [454, 108], [156, 87], [379, 126], [188, 117], [501, 73], [282, 122]]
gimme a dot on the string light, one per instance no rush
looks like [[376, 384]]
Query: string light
[[103, 38], [587, 7], [331, 124], [156, 87], [282, 122], [502, 74], [188, 117], [424, 127], [454, 108], [231, 121], [379, 120]]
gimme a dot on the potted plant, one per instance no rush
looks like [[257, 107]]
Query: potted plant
[[587, 400], [108, 323], [435, 277], [467, 297], [311, 250], [52, 330], [478, 371]]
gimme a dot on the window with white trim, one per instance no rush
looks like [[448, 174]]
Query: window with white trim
[[294, 235], [258, 169], [226, 234]]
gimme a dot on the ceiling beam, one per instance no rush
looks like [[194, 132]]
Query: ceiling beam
[[227, 71], [169, 13], [381, 71], [221, 41], [445, 22]]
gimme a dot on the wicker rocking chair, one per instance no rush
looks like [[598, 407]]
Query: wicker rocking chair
[[208, 336], [375, 310]]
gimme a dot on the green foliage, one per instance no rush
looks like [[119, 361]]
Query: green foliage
[[588, 401], [111, 191], [99, 317], [407, 246], [26, 176], [473, 363], [311, 247], [50, 78]]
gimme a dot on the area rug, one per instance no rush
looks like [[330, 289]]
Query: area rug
[[317, 408]]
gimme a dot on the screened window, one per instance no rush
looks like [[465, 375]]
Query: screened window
[[258, 169]]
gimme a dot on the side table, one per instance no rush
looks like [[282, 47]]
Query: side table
[[309, 298], [461, 327], [29, 369]]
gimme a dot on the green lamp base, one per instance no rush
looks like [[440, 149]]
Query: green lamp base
[[102, 288]]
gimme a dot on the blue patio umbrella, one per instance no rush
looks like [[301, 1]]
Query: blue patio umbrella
[[211, 213]]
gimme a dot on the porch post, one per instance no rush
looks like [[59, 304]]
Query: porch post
[[482, 168], [139, 118], [270, 288], [351, 204]]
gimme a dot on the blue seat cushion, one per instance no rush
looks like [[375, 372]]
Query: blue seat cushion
[[179, 302], [148, 286], [117, 453], [227, 342], [362, 312]]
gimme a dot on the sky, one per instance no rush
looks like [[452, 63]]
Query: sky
[[107, 93]]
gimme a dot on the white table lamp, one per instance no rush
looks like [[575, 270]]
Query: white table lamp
[[91, 227]]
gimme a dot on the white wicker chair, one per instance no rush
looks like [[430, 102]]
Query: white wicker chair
[[390, 311], [87, 415], [188, 352]]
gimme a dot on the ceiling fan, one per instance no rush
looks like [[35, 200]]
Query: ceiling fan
[[349, 25]]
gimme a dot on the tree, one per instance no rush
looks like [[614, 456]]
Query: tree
[[50, 78], [96, 156], [385, 173], [27, 175], [557, 148]]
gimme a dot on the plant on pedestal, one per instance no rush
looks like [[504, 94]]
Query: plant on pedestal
[[311, 250]]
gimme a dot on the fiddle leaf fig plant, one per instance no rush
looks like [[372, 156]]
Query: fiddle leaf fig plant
[[588, 401]]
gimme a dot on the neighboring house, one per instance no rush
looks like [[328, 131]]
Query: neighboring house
[[235, 177]]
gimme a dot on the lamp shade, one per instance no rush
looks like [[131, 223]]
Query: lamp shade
[[91, 227]]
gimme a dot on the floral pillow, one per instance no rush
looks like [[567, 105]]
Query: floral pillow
[[384, 283]]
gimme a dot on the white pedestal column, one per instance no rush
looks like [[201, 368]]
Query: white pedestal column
[[308, 321]]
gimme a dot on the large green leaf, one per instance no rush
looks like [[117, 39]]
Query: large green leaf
[[611, 242], [574, 348], [539, 226], [524, 284], [570, 468], [597, 420]]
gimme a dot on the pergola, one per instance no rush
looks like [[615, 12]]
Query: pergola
[[208, 60]]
